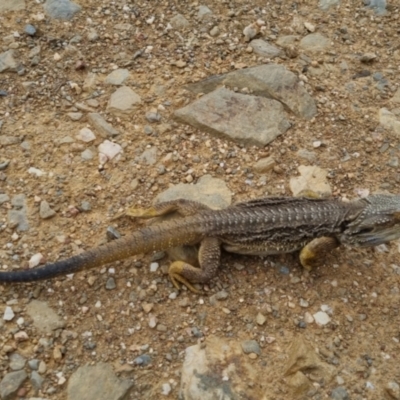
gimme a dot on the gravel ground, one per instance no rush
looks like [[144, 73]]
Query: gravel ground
[[66, 195]]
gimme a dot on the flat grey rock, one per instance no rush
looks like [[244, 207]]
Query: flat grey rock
[[206, 85], [389, 121], [311, 179], [45, 211], [44, 318], [204, 373], [117, 77], [325, 5], [178, 21], [8, 61], [4, 198], [17, 362], [123, 101], [12, 5], [287, 40], [210, 191], [315, 43], [204, 12], [276, 82], [97, 382], [265, 49], [101, 125], [246, 119], [10, 384], [61, 9], [18, 215], [272, 81], [149, 156]]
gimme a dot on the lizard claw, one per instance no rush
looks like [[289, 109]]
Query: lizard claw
[[175, 274]]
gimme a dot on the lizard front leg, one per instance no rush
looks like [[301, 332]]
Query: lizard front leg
[[209, 260], [314, 252], [181, 206]]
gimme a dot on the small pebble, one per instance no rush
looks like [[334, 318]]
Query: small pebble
[[30, 30], [142, 360], [321, 318], [153, 117], [33, 364], [340, 393], [110, 284], [8, 314], [261, 319], [154, 267], [251, 346], [45, 210], [284, 270], [166, 389], [35, 260], [86, 135]]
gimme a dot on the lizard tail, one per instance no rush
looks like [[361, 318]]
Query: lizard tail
[[152, 238]]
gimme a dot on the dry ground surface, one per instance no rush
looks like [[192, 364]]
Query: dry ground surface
[[361, 287]]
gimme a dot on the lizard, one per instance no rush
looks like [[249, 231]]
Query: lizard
[[265, 226]]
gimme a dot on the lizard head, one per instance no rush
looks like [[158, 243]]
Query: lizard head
[[377, 223]]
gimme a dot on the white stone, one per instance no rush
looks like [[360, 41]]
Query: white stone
[[36, 171], [8, 314], [321, 318], [86, 135], [310, 27], [154, 267], [166, 389], [35, 260], [109, 149]]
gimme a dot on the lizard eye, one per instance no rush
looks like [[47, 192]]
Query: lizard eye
[[365, 230]]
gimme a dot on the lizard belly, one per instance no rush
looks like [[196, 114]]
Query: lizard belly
[[257, 250]]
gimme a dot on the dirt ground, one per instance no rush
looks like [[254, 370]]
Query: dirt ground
[[361, 287]]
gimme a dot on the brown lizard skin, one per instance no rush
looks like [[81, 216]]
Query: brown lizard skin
[[257, 227]]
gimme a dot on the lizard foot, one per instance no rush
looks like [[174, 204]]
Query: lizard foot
[[314, 252], [175, 273]]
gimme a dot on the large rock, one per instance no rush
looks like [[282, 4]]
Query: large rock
[[97, 382], [275, 82], [265, 49], [389, 121], [101, 125], [315, 43], [45, 319], [302, 359], [123, 101], [272, 81], [246, 119], [61, 9], [312, 180], [218, 369], [10, 384], [210, 191], [12, 5]]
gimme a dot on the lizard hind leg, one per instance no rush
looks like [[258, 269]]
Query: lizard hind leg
[[313, 253], [209, 260], [181, 206]]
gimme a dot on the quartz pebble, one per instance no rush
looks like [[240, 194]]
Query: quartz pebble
[[8, 314], [35, 260], [321, 318], [86, 135]]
